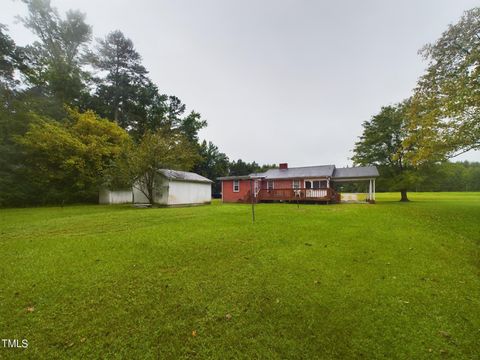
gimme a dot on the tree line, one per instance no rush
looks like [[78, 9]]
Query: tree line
[[78, 114], [413, 139]]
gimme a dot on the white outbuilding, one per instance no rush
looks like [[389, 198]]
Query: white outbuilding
[[177, 188], [107, 196]]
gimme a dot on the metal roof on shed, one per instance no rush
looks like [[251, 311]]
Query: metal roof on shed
[[183, 176]]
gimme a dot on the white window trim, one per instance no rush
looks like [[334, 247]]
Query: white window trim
[[312, 180], [273, 184], [293, 184], [238, 183]]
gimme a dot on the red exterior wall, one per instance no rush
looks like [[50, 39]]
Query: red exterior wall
[[285, 183], [227, 190], [229, 196]]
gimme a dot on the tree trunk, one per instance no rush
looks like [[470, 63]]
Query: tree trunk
[[404, 195], [151, 190], [115, 114]]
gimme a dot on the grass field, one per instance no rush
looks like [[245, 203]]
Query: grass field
[[391, 280]]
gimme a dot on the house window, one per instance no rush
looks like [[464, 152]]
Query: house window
[[270, 185], [316, 184], [236, 185], [296, 184]]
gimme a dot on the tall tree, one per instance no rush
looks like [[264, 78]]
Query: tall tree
[[13, 117], [191, 125], [445, 109], [125, 76], [126, 94], [382, 144], [213, 163], [56, 59], [241, 167], [12, 58]]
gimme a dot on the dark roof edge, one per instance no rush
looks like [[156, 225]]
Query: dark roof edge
[[207, 181], [233, 177], [198, 178]]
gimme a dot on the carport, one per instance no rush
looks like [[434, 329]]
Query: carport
[[364, 174]]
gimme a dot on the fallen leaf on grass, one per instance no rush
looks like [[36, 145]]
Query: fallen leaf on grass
[[228, 316], [30, 309], [194, 333], [444, 334]]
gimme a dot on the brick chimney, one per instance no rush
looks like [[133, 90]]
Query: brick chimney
[[283, 166]]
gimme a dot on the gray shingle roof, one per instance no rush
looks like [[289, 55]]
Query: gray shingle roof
[[356, 172], [183, 176], [312, 172], [300, 172]]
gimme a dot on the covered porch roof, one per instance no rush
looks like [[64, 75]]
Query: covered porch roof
[[357, 173]]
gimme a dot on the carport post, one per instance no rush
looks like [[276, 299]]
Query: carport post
[[370, 190], [373, 189]]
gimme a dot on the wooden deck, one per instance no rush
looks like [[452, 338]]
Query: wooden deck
[[327, 195]]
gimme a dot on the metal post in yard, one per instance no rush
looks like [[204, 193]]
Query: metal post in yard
[[253, 202]]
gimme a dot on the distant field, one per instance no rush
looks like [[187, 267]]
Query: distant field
[[390, 280]]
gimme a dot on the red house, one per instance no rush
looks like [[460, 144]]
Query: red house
[[305, 184]]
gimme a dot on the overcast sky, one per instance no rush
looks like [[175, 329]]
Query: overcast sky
[[278, 81]]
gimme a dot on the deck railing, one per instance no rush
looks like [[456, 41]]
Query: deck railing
[[301, 194]]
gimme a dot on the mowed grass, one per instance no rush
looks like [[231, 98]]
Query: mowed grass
[[391, 280]]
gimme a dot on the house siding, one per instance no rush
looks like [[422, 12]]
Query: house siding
[[227, 191], [281, 183], [286, 183]]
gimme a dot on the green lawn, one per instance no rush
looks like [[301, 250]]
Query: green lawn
[[391, 280]]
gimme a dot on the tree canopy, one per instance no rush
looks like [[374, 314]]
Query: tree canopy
[[55, 60], [445, 107], [66, 161], [162, 149], [382, 144], [73, 112]]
